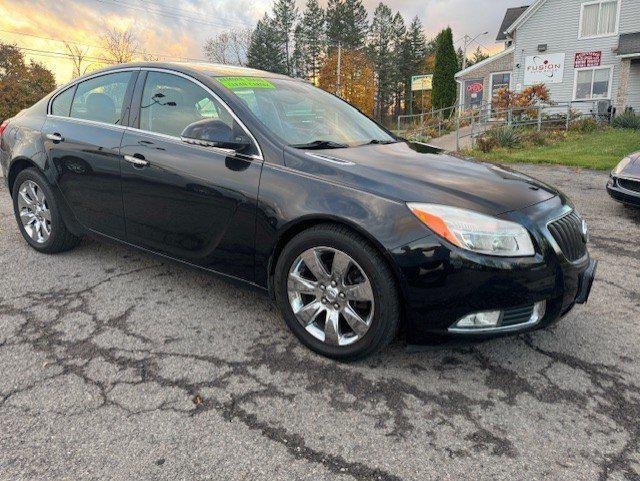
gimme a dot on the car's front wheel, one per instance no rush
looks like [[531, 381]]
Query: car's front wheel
[[38, 215], [337, 293]]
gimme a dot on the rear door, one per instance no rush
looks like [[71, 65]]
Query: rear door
[[194, 203], [83, 132]]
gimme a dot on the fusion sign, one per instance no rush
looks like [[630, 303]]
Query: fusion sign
[[544, 69]]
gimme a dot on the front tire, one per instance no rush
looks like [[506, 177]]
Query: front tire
[[337, 293], [38, 215]]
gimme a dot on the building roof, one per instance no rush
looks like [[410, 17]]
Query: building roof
[[510, 17], [523, 18], [486, 61], [629, 44]]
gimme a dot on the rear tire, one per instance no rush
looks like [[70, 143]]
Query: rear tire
[[38, 215], [366, 267]]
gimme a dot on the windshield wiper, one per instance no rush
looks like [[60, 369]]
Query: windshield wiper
[[380, 142], [321, 144]]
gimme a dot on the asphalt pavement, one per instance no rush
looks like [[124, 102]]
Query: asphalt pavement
[[117, 366]]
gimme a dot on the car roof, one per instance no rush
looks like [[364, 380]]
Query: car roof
[[202, 68]]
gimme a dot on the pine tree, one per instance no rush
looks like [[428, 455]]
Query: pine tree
[[380, 51], [285, 15], [400, 78], [265, 50], [311, 42], [413, 61], [446, 66], [347, 24]]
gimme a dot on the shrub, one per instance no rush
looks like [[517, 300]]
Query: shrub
[[627, 120], [505, 136], [586, 125], [486, 143], [536, 138]]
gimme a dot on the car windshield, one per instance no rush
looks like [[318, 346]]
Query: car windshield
[[305, 116]]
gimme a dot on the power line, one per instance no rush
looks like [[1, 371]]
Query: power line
[[175, 13], [155, 54]]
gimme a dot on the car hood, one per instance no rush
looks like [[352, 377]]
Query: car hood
[[633, 168], [409, 173]]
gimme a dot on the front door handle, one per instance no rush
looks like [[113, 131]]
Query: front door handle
[[55, 137], [137, 160]]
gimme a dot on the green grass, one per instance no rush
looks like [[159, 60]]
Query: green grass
[[598, 150]]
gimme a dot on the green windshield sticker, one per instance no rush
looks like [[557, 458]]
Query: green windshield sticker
[[234, 83]]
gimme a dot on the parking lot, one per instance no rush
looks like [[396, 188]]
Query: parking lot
[[114, 365]]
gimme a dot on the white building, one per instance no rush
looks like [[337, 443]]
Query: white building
[[585, 51]]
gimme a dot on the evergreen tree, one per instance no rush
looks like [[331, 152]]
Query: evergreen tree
[[265, 52], [381, 53], [311, 41], [446, 66], [347, 23], [400, 79], [414, 56], [285, 14]]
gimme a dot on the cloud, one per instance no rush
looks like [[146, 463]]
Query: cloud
[[180, 27]]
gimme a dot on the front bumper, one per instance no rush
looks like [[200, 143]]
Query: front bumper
[[619, 193], [441, 283]]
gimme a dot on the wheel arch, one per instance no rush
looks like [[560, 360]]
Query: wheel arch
[[18, 165], [308, 222]]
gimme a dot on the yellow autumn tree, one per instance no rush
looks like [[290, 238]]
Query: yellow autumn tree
[[356, 78]]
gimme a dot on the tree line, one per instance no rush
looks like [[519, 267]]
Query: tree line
[[369, 63]]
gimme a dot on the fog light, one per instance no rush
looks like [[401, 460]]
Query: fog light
[[479, 320]]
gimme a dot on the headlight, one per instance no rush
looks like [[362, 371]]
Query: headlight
[[474, 231], [621, 165]]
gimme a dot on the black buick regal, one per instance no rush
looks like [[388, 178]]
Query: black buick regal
[[270, 181], [624, 181]]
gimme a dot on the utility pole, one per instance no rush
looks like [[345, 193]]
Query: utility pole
[[338, 73], [467, 41]]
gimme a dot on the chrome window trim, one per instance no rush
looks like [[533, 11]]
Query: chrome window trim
[[215, 96], [164, 136], [87, 121], [79, 81]]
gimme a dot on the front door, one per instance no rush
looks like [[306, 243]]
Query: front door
[[82, 139], [194, 203]]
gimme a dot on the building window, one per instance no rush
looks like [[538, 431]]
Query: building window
[[592, 83], [599, 19]]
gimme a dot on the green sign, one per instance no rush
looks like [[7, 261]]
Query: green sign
[[236, 83]]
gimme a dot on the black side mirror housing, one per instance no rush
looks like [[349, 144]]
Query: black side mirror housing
[[214, 133]]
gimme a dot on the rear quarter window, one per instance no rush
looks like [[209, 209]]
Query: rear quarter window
[[61, 105]]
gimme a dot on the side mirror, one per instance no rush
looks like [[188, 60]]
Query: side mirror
[[214, 133]]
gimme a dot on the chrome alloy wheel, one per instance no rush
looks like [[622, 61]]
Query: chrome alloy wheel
[[34, 211], [331, 296]]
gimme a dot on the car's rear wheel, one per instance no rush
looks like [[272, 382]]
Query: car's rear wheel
[[337, 293], [38, 215]]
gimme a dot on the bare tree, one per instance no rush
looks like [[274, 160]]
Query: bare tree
[[229, 48], [121, 45], [78, 58]]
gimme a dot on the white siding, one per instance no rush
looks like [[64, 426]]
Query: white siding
[[557, 24]]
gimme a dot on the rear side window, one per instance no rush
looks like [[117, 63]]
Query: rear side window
[[62, 103], [101, 99]]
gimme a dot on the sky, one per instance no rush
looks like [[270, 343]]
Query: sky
[[178, 28]]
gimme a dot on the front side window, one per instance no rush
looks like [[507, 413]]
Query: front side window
[[170, 103], [599, 18], [101, 99], [593, 83], [301, 114], [61, 105]]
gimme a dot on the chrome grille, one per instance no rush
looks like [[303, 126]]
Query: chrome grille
[[629, 184], [567, 232]]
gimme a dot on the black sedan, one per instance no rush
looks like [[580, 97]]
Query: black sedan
[[275, 183], [624, 183]]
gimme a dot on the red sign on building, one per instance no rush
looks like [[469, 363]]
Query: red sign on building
[[587, 59]]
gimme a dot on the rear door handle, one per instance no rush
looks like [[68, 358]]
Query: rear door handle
[[137, 160], [55, 137]]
